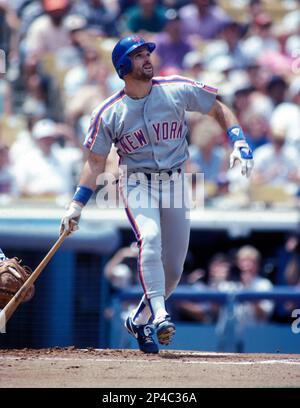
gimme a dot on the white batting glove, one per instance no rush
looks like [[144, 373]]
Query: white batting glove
[[242, 153], [70, 220]]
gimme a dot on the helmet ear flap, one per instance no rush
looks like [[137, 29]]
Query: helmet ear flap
[[125, 66]]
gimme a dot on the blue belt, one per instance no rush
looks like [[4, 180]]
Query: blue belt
[[161, 172]]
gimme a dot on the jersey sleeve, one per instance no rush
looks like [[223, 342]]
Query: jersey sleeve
[[98, 139], [199, 97]]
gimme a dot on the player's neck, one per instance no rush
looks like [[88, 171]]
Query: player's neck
[[137, 89]]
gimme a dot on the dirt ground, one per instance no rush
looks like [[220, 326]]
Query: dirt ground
[[95, 368]]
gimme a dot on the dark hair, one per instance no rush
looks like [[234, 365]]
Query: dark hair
[[276, 80], [219, 257]]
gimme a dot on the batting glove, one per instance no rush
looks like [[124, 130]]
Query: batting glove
[[243, 154], [70, 220]]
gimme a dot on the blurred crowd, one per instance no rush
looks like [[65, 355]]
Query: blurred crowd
[[56, 68], [244, 268]]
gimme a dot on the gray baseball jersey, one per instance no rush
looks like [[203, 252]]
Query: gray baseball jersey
[[149, 133]]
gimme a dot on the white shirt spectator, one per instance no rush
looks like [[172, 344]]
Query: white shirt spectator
[[45, 168], [277, 166], [38, 174], [255, 46], [43, 37], [288, 113], [244, 312]]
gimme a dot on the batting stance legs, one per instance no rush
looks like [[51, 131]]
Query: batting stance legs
[[159, 216]]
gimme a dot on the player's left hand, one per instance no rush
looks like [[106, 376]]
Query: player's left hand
[[71, 218], [242, 153]]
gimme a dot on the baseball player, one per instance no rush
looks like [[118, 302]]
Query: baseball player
[[146, 122]]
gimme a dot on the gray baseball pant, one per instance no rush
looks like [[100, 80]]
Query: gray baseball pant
[[158, 211]]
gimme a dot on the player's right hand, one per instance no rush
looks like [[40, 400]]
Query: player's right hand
[[70, 220]]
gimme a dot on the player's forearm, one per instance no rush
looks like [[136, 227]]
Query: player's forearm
[[93, 167], [229, 123], [223, 115]]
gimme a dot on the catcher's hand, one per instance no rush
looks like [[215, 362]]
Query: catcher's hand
[[12, 277], [243, 154], [71, 218]]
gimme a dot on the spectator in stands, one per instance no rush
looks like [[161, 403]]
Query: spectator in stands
[[292, 270], [27, 12], [100, 15], [248, 313], [228, 44], [258, 76], [276, 163], [240, 102], [7, 182], [78, 76], [121, 272], [47, 170], [288, 274], [206, 153], [47, 33], [218, 278], [256, 127], [224, 198], [255, 7], [69, 56], [32, 111], [288, 113], [36, 83], [40, 88], [276, 89], [248, 261], [9, 24], [202, 19], [291, 27], [260, 37], [147, 15], [121, 269], [87, 96], [5, 96], [171, 45]]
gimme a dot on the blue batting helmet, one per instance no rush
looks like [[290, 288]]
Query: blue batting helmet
[[120, 54]]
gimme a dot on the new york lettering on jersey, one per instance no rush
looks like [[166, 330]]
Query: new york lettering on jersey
[[130, 142]]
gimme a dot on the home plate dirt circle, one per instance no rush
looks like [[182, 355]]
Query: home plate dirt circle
[[96, 368]]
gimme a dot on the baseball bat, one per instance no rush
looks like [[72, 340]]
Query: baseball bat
[[12, 305]]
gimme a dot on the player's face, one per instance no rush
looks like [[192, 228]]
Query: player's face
[[142, 67]]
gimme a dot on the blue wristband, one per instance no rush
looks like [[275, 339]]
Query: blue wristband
[[82, 194], [235, 133]]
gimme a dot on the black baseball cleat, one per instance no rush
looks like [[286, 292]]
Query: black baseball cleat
[[144, 335], [165, 330]]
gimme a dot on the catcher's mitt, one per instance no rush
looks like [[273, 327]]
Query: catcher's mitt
[[12, 276]]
